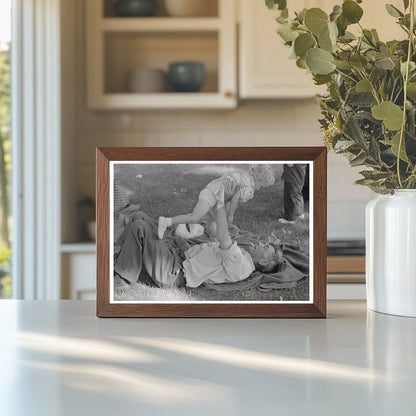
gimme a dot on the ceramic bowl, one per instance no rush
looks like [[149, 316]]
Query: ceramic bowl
[[191, 8], [186, 76], [135, 8], [147, 80]]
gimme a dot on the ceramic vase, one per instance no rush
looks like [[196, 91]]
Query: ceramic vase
[[391, 253]]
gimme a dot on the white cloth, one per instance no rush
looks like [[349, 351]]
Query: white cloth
[[209, 263]]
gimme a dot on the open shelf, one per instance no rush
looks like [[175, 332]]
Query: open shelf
[[160, 24], [119, 45], [126, 51], [210, 7]]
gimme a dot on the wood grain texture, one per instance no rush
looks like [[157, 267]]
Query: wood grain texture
[[317, 309]]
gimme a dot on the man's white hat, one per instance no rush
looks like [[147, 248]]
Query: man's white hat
[[195, 230]]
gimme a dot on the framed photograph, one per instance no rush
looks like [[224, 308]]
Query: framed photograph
[[211, 232]]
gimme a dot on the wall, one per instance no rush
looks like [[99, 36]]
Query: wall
[[253, 123]]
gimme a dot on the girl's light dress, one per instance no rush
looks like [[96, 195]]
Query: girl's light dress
[[221, 190]]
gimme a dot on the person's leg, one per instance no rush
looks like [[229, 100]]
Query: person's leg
[[223, 236], [141, 248], [201, 209], [292, 201]]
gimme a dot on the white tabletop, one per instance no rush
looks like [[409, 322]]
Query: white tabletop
[[57, 358]]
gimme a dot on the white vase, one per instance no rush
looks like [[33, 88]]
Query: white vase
[[391, 253]]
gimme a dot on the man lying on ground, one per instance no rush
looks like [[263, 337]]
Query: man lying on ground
[[173, 262]]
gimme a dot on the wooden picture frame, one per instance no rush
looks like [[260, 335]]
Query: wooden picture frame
[[314, 157]]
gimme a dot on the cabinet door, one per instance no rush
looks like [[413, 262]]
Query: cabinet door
[[265, 68]]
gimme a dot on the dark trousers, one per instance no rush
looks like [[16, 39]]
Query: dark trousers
[[293, 200], [141, 248]]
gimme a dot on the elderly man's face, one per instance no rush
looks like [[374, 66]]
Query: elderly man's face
[[261, 250]]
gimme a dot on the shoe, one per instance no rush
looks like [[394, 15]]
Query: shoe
[[162, 227], [285, 221], [119, 282]]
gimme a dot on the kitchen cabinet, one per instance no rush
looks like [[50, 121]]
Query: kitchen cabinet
[[265, 70], [78, 263], [118, 45]]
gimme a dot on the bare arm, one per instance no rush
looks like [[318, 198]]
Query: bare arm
[[223, 235], [233, 206]]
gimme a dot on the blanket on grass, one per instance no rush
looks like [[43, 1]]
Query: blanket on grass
[[293, 269]]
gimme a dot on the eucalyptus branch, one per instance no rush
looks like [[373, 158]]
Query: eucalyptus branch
[[346, 75], [373, 88], [406, 80]]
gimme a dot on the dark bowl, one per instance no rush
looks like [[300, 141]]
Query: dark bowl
[[186, 76], [135, 8]]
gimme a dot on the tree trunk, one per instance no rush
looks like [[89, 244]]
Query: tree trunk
[[4, 200]]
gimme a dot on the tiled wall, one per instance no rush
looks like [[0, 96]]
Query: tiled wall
[[253, 123]]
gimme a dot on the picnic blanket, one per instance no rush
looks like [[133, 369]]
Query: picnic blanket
[[293, 269]]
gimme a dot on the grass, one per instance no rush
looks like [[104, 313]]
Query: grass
[[169, 190]]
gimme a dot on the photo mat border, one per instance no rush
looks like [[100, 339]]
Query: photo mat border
[[185, 162], [314, 308]]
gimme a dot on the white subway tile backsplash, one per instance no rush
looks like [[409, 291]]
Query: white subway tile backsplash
[[156, 119], [197, 120]]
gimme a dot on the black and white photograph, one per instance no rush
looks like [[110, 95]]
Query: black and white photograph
[[194, 232]]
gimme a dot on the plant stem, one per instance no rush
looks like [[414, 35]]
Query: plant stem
[[406, 80]]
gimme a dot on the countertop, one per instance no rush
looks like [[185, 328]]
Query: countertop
[[57, 358]]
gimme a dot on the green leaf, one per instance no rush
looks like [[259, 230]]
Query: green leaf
[[374, 174], [384, 62], [368, 36], [316, 20], [342, 25], [276, 4], [354, 132], [393, 11], [363, 86], [325, 42], [336, 12], [375, 35], [351, 11], [343, 145], [358, 61], [406, 4], [321, 79], [347, 37], [394, 143], [319, 61], [303, 43], [301, 63], [344, 65], [365, 182], [358, 160], [287, 33], [333, 32], [388, 112], [411, 90], [301, 15]]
